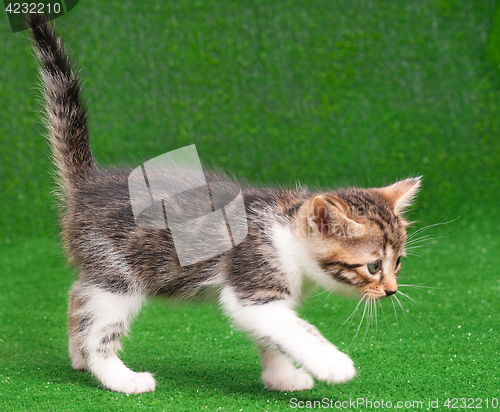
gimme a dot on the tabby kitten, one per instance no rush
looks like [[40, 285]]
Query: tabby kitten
[[348, 241]]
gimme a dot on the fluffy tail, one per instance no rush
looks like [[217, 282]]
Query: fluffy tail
[[66, 115]]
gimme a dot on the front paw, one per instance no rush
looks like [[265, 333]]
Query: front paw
[[332, 367], [292, 380], [136, 382]]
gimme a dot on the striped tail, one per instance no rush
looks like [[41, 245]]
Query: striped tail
[[66, 115]]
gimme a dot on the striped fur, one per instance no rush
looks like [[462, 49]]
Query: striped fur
[[66, 116], [297, 240]]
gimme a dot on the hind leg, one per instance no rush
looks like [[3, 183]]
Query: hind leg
[[77, 359], [102, 317]]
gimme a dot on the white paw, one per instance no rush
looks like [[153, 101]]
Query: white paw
[[333, 367], [296, 380], [77, 360], [78, 364], [136, 383]]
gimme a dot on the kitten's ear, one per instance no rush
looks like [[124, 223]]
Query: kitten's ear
[[401, 194], [327, 219]]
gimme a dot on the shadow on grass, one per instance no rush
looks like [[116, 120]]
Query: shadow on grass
[[176, 373]]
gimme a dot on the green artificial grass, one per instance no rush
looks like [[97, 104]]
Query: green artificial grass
[[326, 93]]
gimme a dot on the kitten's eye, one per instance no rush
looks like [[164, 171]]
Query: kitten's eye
[[374, 267], [398, 262]]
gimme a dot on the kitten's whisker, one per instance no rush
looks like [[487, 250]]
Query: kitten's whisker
[[370, 315], [414, 254], [399, 306], [432, 240], [403, 311], [424, 242], [412, 235], [410, 245], [373, 314], [353, 313], [412, 238], [320, 293], [422, 238], [327, 296], [382, 311], [369, 318], [395, 312], [412, 301], [419, 246], [360, 323]]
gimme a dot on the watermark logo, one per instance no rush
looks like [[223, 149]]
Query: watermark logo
[[18, 11], [204, 218]]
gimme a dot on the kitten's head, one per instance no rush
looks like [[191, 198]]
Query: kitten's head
[[357, 237]]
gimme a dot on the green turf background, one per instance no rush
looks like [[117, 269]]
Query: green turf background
[[328, 93]]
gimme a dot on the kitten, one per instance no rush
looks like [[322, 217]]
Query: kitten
[[348, 241]]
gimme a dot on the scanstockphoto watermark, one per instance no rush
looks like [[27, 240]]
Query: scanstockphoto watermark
[[332, 220], [17, 11], [351, 211], [362, 404], [205, 218], [369, 404]]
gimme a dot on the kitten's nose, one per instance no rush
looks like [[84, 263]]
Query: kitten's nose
[[390, 292]]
